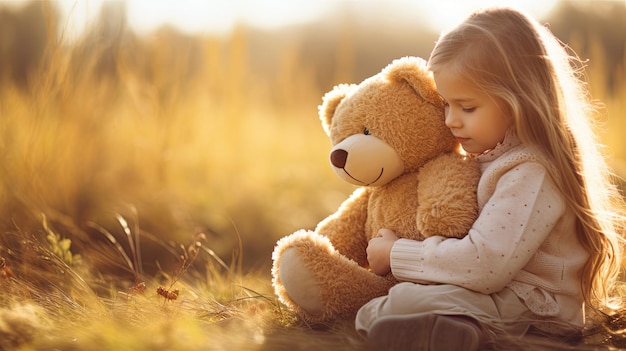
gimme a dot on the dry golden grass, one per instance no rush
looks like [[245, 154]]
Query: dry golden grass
[[124, 148], [108, 165]]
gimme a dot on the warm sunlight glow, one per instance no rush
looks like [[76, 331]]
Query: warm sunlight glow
[[194, 16], [221, 16], [447, 13], [153, 154]]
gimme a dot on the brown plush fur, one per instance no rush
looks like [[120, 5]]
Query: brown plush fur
[[323, 274]]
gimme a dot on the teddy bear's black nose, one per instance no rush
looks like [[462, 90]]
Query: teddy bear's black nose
[[338, 158]]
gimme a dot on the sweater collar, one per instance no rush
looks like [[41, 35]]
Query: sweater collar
[[510, 141]]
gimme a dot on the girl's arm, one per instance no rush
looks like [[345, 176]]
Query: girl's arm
[[511, 227]]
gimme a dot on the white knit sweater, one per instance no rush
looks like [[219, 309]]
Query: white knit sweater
[[524, 239]]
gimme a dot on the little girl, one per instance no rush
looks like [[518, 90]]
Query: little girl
[[547, 241]]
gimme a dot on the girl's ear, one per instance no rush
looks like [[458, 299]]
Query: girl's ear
[[414, 71], [330, 101]]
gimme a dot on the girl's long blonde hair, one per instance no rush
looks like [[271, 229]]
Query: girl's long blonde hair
[[523, 67]]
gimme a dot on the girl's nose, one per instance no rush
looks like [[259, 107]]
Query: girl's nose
[[452, 120]]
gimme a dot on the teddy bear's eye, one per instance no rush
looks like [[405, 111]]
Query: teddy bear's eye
[[366, 131]]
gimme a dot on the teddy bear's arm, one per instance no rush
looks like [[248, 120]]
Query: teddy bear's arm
[[346, 227], [447, 196]]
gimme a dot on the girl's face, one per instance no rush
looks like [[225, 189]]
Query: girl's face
[[477, 122]]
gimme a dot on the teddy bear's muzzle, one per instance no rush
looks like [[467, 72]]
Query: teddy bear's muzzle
[[365, 160]]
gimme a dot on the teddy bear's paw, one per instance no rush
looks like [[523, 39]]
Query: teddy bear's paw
[[299, 283]]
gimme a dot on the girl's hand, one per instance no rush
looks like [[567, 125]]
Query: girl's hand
[[379, 251]]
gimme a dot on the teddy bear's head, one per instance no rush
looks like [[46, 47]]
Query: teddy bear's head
[[390, 124]]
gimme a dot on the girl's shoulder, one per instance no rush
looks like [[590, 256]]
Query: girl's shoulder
[[517, 163]]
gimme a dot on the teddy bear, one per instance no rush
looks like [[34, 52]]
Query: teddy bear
[[389, 138]]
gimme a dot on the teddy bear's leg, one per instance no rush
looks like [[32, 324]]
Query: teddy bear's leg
[[319, 283]]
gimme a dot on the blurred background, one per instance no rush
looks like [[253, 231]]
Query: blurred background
[[186, 117]]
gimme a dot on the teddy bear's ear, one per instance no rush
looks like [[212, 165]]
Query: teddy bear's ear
[[414, 71], [330, 101]]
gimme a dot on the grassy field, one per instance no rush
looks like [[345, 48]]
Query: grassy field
[[145, 180]]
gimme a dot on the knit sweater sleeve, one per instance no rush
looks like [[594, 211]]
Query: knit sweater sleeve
[[512, 225]]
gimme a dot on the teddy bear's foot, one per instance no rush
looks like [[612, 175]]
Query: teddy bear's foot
[[300, 282], [318, 282]]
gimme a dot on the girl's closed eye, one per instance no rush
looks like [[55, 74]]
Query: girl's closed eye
[[468, 109]]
